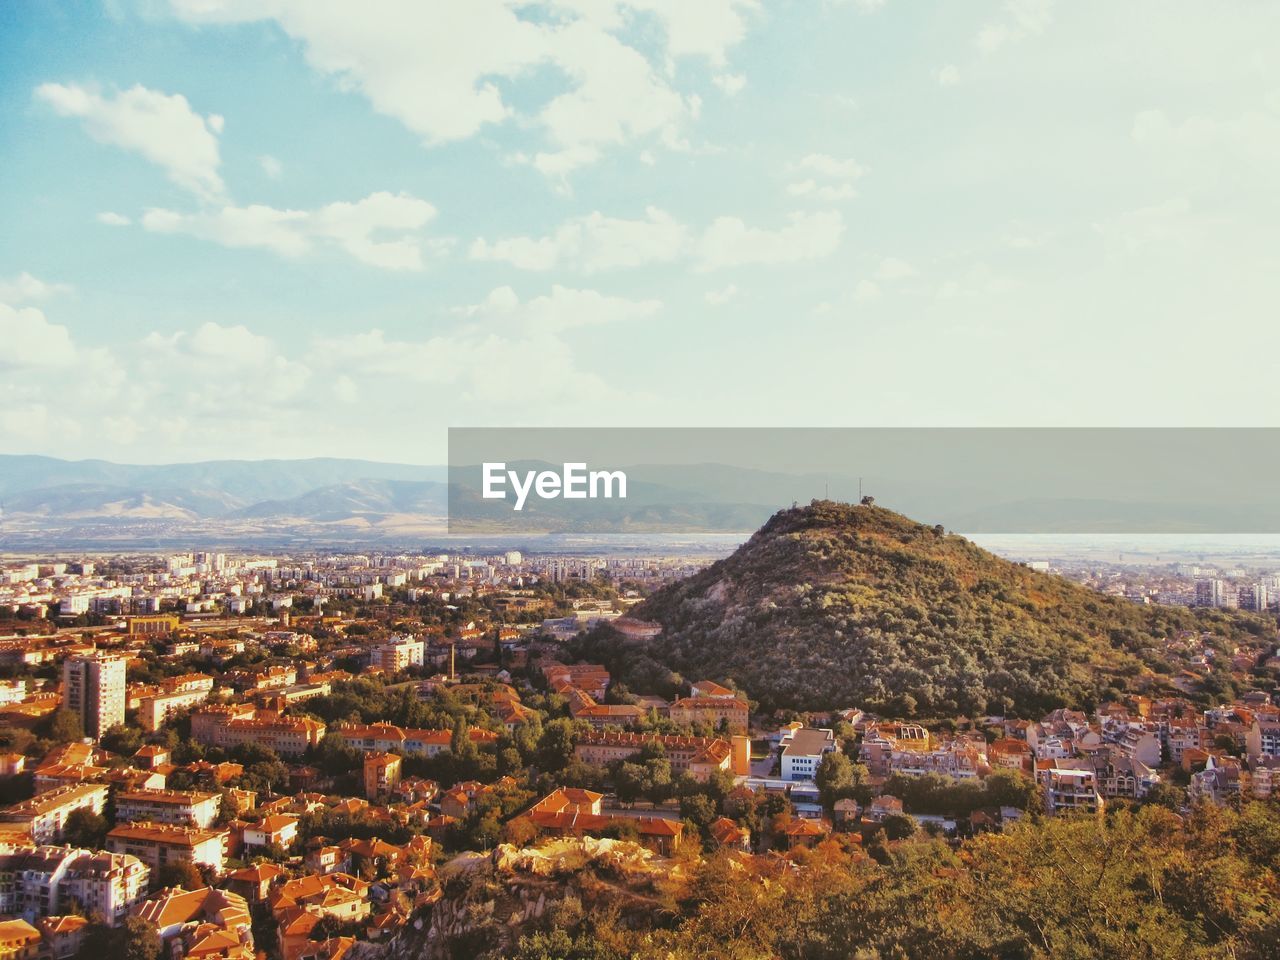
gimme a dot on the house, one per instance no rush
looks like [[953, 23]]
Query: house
[[206, 923], [883, 807], [381, 774], [19, 940], [1069, 786], [254, 883], [278, 830], [570, 811], [804, 750], [63, 935], [804, 833], [727, 833]]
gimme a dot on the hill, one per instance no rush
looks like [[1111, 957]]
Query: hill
[[836, 605]]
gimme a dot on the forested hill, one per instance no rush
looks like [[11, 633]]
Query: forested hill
[[833, 604]]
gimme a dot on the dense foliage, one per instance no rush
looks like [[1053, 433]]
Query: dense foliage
[[1146, 884], [835, 604]]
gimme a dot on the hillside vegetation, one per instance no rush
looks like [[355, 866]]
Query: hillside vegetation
[[833, 604]]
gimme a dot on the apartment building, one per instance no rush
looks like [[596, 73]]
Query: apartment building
[[159, 844], [93, 687], [398, 654], [229, 727], [188, 807], [386, 737], [45, 815], [176, 694], [47, 881], [718, 712], [1069, 786], [699, 756]]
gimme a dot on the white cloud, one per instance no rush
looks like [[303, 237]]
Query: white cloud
[[1022, 19], [24, 287], [730, 242], [822, 169], [161, 127], [828, 166], [272, 167], [866, 290], [1253, 135], [948, 76], [1162, 224], [438, 68], [379, 230], [730, 84], [718, 298], [592, 243], [32, 341], [564, 308], [113, 219], [892, 269], [829, 193]]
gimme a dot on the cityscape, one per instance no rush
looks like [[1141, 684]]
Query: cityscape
[[639, 480]]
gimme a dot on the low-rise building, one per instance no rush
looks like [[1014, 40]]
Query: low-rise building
[[169, 806], [158, 844]]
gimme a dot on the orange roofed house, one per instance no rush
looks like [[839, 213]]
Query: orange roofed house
[[571, 812]]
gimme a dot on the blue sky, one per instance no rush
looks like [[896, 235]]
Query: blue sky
[[250, 228]]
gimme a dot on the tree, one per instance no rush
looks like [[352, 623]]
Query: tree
[[122, 739], [65, 727], [84, 828], [133, 939], [834, 778], [179, 873], [555, 746], [898, 826]]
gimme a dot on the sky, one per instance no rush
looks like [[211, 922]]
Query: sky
[[292, 228]]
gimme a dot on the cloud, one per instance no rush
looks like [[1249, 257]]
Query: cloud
[[24, 288], [563, 309], [730, 84], [718, 298], [1022, 19], [892, 270], [730, 242], [828, 166], [592, 243], [1253, 135], [379, 230], [948, 76], [112, 219], [32, 341], [271, 166], [161, 127], [1165, 224], [440, 68], [818, 191], [821, 170]]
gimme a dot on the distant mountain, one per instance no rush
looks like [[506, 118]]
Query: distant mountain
[[356, 498], [839, 604], [243, 481]]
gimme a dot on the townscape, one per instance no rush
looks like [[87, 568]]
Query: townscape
[[221, 756]]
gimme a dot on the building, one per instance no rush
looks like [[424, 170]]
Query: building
[[45, 815], [93, 688], [381, 774], [398, 654], [718, 712], [157, 624], [699, 756], [1069, 786], [804, 750], [1263, 739], [188, 807], [178, 694], [230, 727], [277, 830], [571, 812], [48, 881], [19, 940], [159, 844]]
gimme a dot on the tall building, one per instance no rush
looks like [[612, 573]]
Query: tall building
[[93, 687]]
